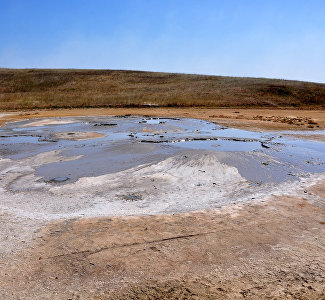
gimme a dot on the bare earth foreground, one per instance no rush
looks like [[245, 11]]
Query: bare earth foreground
[[269, 248]]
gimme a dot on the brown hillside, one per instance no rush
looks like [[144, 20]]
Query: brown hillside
[[38, 88]]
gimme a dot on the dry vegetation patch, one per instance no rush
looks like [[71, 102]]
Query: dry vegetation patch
[[36, 88], [299, 121]]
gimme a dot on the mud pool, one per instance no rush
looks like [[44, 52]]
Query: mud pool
[[123, 142], [133, 160]]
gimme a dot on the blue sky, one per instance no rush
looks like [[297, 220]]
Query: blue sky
[[265, 38]]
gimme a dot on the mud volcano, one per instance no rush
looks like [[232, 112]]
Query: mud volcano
[[129, 165]]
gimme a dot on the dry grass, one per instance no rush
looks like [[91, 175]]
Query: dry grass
[[37, 88]]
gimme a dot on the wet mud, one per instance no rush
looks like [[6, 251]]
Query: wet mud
[[133, 207], [112, 144]]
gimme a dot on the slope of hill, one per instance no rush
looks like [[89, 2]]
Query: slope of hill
[[41, 88]]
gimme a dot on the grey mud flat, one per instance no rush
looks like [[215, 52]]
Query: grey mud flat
[[125, 165], [55, 174]]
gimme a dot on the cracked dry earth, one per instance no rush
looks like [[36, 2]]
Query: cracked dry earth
[[161, 230]]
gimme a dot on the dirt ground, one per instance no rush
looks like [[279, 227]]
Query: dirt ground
[[252, 119], [270, 249]]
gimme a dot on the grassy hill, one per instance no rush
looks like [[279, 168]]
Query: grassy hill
[[40, 88]]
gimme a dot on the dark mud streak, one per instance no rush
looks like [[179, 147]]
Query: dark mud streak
[[105, 124], [90, 252], [210, 138]]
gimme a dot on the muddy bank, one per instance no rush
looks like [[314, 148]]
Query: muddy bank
[[252, 119]]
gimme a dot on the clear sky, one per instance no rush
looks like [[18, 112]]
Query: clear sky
[[256, 38]]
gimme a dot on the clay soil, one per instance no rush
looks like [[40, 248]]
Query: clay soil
[[274, 249], [251, 119], [260, 250]]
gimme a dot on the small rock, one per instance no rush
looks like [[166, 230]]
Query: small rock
[[132, 197]]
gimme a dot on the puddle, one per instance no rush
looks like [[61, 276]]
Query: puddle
[[58, 179], [112, 144]]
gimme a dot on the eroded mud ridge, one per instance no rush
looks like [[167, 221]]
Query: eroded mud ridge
[[87, 204]]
